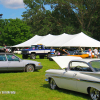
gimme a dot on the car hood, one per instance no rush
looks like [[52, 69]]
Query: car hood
[[63, 61]]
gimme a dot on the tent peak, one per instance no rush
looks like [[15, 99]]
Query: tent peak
[[64, 33]]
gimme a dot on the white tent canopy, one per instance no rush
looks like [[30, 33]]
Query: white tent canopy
[[60, 40], [82, 40], [29, 42], [47, 39], [63, 40]]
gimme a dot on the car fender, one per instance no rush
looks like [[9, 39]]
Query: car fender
[[96, 87], [30, 64]]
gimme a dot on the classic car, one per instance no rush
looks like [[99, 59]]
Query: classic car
[[10, 62], [76, 53], [58, 52], [83, 54], [17, 52], [76, 74]]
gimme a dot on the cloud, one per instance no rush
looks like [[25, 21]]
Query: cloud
[[12, 4]]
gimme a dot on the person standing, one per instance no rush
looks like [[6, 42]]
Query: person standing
[[90, 53], [95, 52], [52, 51]]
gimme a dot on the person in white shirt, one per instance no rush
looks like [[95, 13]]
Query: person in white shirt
[[95, 52]]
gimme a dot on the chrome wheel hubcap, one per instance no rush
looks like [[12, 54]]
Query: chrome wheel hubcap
[[94, 93], [30, 69], [52, 84]]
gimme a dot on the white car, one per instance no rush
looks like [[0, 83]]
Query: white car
[[18, 52], [77, 74], [10, 62]]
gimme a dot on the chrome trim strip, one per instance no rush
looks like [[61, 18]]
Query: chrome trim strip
[[77, 79]]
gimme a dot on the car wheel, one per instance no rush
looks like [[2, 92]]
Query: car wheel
[[32, 56], [24, 56], [94, 94], [53, 85], [50, 59], [29, 68], [48, 55], [41, 56]]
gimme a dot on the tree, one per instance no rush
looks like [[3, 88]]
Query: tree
[[66, 16], [14, 31], [58, 21], [84, 10]]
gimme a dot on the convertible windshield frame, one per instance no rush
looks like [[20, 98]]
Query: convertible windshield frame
[[80, 66]]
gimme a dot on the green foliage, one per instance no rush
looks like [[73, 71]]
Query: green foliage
[[14, 31], [65, 16], [57, 21]]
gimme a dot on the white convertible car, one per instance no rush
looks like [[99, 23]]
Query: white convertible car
[[77, 74]]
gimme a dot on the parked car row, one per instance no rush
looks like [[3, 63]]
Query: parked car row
[[76, 53], [17, 52], [76, 73]]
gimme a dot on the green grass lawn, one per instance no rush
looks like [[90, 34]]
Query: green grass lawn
[[32, 85]]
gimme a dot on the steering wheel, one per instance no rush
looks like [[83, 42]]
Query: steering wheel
[[78, 68]]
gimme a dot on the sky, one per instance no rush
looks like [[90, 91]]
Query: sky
[[12, 9]]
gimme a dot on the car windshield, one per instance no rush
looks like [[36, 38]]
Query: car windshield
[[79, 53], [95, 65], [34, 47]]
